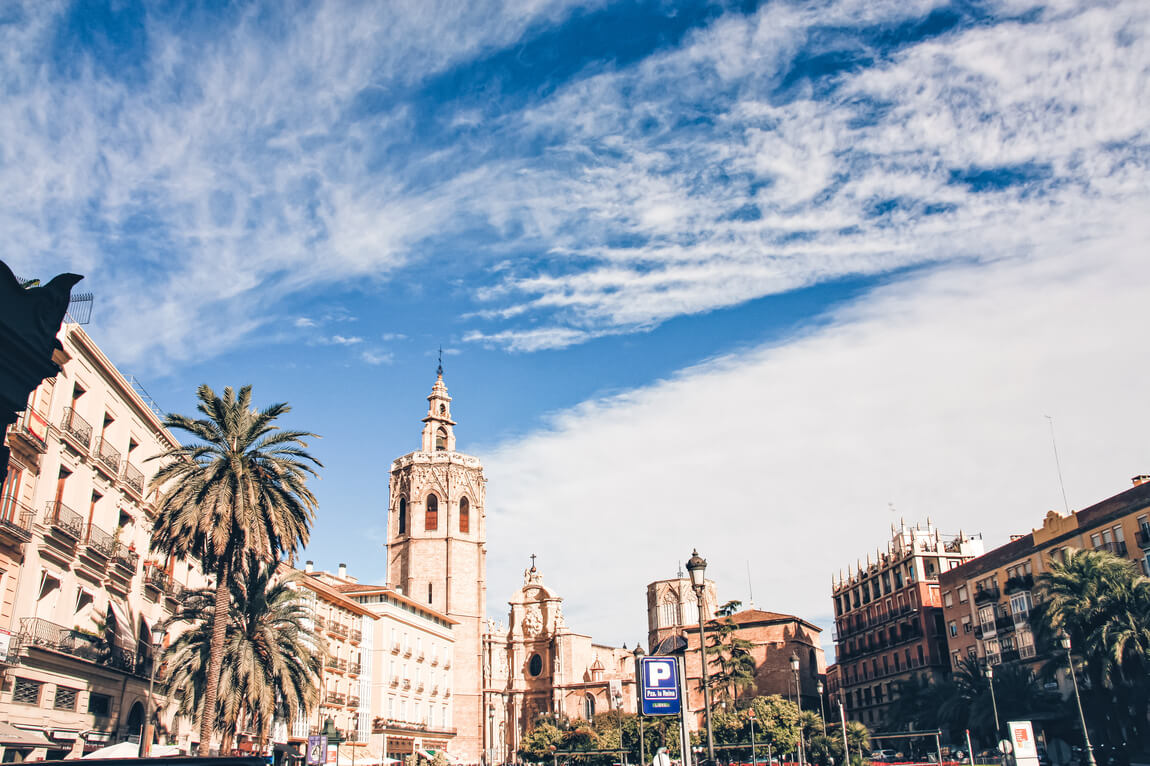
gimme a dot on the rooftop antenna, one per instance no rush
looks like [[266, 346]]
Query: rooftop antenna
[[439, 369], [680, 570], [750, 590], [1058, 464]]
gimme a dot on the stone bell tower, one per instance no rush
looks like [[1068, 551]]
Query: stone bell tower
[[437, 552]]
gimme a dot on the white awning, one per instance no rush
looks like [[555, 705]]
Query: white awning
[[125, 630], [13, 735]]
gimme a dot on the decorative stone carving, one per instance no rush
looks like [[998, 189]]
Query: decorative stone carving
[[533, 620]]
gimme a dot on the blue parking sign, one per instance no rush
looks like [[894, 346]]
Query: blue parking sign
[[659, 683]]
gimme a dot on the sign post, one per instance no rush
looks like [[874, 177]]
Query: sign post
[[316, 750], [1022, 742]]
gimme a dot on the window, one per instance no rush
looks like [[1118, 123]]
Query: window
[[25, 691], [431, 518], [952, 627], [99, 705], [962, 594], [65, 698], [441, 439], [588, 706], [1020, 607], [948, 599], [10, 493], [464, 515], [402, 515], [535, 665], [966, 626]]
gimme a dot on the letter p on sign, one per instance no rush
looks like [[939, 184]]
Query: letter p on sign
[[658, 674]]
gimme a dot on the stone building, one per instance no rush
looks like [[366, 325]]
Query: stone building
[[673, 613], [889, 619], [986, 602], [536, 665], [78, 597], [436, 554]]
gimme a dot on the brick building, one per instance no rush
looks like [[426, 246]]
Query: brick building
[[672, 612], [987, 601], [889, 618]]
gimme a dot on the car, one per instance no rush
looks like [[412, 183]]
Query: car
[[886, 755]]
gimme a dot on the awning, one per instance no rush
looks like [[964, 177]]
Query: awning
[[125, 630], [362, 755], [12, 735]]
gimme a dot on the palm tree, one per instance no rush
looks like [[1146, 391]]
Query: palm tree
[[1103, 603], [240, 488], [272, 666]]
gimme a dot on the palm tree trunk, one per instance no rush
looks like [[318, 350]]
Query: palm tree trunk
[[220, 619]]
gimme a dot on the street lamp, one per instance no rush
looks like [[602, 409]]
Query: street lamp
[[1064, 639], [697, 567], [798, 701], [157, 645], [822, 707], [993, 701], [490, 731], [619, 720], [639, 702]]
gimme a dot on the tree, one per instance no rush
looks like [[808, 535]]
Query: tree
[[728, 609], [272, 657], [1102, 603], [732, 655], [240, 488], [537, 744]]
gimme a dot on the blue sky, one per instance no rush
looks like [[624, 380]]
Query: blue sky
[[739, 276]]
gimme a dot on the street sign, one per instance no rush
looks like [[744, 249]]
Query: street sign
[[316, 750], [659, 681]]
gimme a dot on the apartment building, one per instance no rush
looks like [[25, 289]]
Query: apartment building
[[405, 659], [987, 601], [79, 598], [889, 620]]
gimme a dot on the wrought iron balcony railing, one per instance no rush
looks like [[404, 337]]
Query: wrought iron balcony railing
[[1018, 583], [337, 629], [133, 478], [36, 631], [75, 427], [16, 519], [353, 701], [356, 635], [107, 457], [125, 557], [354, 668], [982, 595], [63, 519], [158, 579], [1118, 548], [100, 541]]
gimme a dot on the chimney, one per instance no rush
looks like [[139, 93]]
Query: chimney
[[343, 571], [1140, 479], [308, 567]]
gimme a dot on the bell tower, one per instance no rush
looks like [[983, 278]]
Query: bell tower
[[437, 552]]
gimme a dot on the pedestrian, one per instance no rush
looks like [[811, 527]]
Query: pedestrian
[[661, 758]]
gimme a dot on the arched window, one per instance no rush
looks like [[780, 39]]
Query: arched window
[[588, 706], [813, 665], [441, 439], [431, 518], [464, 515], [402, 515]]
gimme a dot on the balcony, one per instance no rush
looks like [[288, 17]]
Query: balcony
[[337, 664], [38, 632], [354, 668], [356, 635], [320, 622], [406, 684], [394, 683], [434, 661], [1018, 583], [16, 521], [334, 699], [1117, 548], [447, 664], [107, 458], [395, 649], [435, 691], [157, 579], [32, 430], [1143, 538], [100, 542], [1004, 624], [64, 520], [76, 429], [337, 629], [983, 595], [125, 558], [353, 701], [421, 657], [133, 479], [407, 651], [447, 693], [419, 687]]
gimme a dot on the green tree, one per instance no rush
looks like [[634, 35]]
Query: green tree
[[272, 657], [1102, 603], [536, 744], [239, 488], [734, 665], [728, 609]]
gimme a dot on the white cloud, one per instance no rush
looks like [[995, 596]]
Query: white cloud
[[376, 357], [929, 394], [341, 340], [305, 322]]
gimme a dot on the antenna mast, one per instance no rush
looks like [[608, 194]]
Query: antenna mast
[[1058, 464]]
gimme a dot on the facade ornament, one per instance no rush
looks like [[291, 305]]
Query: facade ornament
[[533, 620]]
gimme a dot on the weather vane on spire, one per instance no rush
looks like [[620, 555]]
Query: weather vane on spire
[[439, 369]]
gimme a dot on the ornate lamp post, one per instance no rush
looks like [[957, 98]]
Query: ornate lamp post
[[697, 567], [1064, 639], [639, 702], [822, 707], [798, 701], [993, 702], [157, 645]]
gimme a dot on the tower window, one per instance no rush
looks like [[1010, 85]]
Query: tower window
[[402, 515], [588, 706], [429, 592], [535, 665], [441, 439], [431, 519], [464, 515]]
